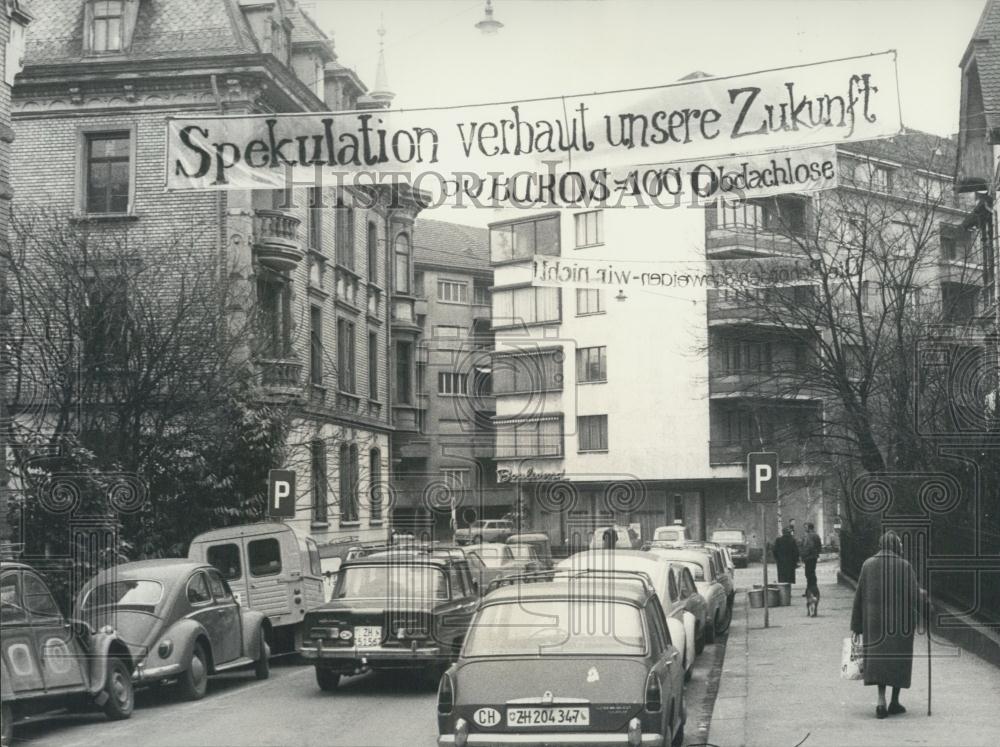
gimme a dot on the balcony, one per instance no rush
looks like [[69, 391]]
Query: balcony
[[732, 242], [735, 452], [759, 385], [280, 376], [276, 240], [730, 308]]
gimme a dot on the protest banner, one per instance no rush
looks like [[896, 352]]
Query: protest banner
[[575, 142]]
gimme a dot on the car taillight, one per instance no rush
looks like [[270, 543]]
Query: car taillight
[[446, 695], [654, 700]]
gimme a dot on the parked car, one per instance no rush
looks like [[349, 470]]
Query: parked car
[[180, 620], [693, 602], [703, 570], [399, 609], [533, 671], [499, 560], [723, 567], [539, 541], [612, 567], [485, 530], [674, 534], [736, 541], [628, 538], [269, 569], [50, 662]]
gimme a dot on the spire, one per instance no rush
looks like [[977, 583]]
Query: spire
[[381, 92]]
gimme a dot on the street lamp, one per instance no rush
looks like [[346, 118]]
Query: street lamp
[[489, 25]]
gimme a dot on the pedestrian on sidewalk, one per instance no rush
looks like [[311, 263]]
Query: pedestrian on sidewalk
[[811, 547], [885, 615], [786, 556]]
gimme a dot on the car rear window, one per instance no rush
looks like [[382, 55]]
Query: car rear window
[[392, 581], [133, 594], [728, 537], [264, 557], [557, 627], [670, 535], [226, 559], [696, 570]]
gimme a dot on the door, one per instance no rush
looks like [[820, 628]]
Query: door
[[60, 653], [267, 577], [230, 621], [229, 559], [203, 610], [16, 637]]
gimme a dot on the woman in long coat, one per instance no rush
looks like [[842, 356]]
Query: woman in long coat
[[786, 556], [885, 614]]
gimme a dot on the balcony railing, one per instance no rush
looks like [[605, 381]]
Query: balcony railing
[[761, 384], [745, 240], [281, 376], [735, 452], [276, 239]]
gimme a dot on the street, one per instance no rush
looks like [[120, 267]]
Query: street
[[366, 711]]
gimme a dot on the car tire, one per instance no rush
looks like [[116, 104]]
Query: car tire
[[678, 737], [7, 717], [327, 679], [193, 682], [262, 667], [722, 626], [699, 640], [118, 687], [710, 631]]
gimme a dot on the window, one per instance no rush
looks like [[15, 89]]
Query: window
[[402, 265], [871, 295], [741, 356], [455, 479], [452, 383], [314, 218], [739, 427], [932, 189], [589, 301], [11, 603], [540, 437], [537, 371], [375, 488], [105, 326], [345, 359], [522, 240], [275, 315], [219, 588], [955, 242], [444, 332], [959, 302], [197, 589], [319, 483], [526, 306], [106, 29], [316, 345], [873, 176], [589, 228], [348, 482], [404, 373], [453, 291], [108, 168], [264, 557], [591, 364], [345, 235], [372, 366], [593, 432], [481, 293], [226, 559], [38, 600], [279, 42], [372, 252]]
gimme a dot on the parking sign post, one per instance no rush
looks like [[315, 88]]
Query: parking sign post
[[762, 488], [281, 493]]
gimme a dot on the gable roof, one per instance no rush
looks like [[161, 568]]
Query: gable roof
[[911, 148], [984, 50], [451, 245]]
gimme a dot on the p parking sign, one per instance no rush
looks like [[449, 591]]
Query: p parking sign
[[762, 477], [281, 493]]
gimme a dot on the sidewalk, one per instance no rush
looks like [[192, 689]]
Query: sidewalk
[[782, 684]]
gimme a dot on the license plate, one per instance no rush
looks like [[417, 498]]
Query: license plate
[[368, 636], [554, 716]]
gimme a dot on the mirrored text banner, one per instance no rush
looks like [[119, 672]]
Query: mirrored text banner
[[788, 109]]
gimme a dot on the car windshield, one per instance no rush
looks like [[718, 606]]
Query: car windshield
[[523, 552], [557, 628], [132, 594], [392, 581], [727, 536]]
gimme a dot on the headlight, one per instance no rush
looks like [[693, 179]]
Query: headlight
[[165, 648]]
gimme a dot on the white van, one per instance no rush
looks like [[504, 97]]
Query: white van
[[270, 569], [675, 535]]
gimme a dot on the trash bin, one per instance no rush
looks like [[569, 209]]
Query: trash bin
[[786, 593], [756, 598], [775, 597]]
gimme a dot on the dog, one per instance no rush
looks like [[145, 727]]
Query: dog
[[812, 600]]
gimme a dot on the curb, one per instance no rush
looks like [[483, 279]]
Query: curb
[[728, 725]]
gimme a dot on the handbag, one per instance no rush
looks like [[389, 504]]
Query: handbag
[[852, 661]]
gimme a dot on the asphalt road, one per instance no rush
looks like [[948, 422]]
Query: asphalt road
[[289, 709]]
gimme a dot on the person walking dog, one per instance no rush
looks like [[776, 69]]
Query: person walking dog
[[885, 615], [811, 547], [786, 556]]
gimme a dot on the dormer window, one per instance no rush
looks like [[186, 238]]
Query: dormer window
[[279, 41], [107, 25]]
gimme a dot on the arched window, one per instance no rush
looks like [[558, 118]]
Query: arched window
[[402, 266], [372, 252], [375, 490]]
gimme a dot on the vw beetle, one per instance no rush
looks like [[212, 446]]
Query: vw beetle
[[50, 662], [180, 621]]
